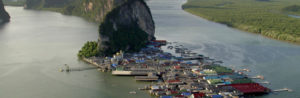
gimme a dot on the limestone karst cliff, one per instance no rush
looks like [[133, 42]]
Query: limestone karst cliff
[[127, 27], [4, 17], [124, 24]]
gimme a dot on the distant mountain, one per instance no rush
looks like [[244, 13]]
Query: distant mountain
[[14, 2], [292, 8], [93, 10], [4, 17]]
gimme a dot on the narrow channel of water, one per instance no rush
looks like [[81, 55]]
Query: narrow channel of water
[[294, 16]]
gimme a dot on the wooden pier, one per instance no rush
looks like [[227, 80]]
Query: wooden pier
[[68, 69], [129, 73], [100, 66], [146, 78]]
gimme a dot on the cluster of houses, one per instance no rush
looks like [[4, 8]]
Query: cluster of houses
[[188, 75], [201, 81]]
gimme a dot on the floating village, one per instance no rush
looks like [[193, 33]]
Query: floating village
[[181, 73]]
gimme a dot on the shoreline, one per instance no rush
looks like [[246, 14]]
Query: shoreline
[[267, 35], [90, 61]]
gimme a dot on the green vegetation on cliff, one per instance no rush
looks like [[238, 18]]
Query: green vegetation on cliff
[[89, 49], [92, 10], [266, 17], [293, 9]]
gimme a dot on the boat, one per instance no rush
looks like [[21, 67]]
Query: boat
[[284, 89], [132, 92]]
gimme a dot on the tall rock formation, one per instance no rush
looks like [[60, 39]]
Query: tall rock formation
[[125, 24], [127, 27], [4, 17]]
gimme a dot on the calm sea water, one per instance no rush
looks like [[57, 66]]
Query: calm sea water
[[35, 44], [278, 61]]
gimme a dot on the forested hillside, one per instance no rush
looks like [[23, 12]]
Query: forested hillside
[[293, 9], [267, 17]]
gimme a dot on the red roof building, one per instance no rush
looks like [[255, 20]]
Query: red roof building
[[174, 92], [198, 95], [250, 88], [162, 42], [177, 67]]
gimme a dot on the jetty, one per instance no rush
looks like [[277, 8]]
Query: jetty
[[150, 77], [67, 68], [133, 72]]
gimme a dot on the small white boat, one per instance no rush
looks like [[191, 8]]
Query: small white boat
[[132, 92], [284, 89]]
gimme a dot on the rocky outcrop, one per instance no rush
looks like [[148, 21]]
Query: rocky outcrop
[[125, 24], [132, 12], [127, 27], [4, 17]]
